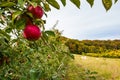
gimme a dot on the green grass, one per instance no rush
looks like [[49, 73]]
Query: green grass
[[92, 68]]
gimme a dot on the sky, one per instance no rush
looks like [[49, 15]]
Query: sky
[[86, 22]]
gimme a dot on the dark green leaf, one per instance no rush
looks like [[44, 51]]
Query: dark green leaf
[[7, 4], [107, 4], [41, 23], [8, 29], [29, 14], [50, 33], [15, 15], [91, 2], [76, 3], [20, 23], [54, 3], [115, 1], [63, 2]]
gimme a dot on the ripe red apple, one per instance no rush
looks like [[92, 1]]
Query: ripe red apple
[[31, 9], [37, 11], [32, 32]]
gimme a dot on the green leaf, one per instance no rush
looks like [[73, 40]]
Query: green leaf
[[47, 7], [41, 23], [21, 3], [107, 4], [4, 34], [34, 74], [54, 3], [44, 36], [20, 23], [7, 4], [32, 3], [63, 2], [76, 3], [8, 29], [115, 1], [91, 2], [15, 15], [50, 33], [29, 14]]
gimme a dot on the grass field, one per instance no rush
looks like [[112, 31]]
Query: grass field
[[92, 68]]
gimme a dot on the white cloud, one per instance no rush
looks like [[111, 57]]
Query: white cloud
[[84, 23]]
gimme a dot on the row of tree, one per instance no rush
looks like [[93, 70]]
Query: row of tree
[[91, 46]]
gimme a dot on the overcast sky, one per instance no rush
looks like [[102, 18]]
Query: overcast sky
[[86, 22]]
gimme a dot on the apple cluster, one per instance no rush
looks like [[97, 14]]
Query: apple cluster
[[31, 31]]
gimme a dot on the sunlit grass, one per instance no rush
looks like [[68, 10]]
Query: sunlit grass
[[82, 67]]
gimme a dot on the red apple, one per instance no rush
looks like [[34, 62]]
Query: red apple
[[37, 11], [32, 32], [31, 9]]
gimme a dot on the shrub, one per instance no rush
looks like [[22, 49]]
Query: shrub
[[108, 54]]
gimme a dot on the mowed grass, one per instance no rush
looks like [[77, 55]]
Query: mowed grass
[[92, 68]]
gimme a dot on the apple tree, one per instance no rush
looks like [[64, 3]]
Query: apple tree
[[27, 50]]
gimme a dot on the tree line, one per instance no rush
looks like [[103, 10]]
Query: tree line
[[90, 46]]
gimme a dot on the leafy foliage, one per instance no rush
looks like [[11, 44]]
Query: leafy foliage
[[22, 59], [7, 4]]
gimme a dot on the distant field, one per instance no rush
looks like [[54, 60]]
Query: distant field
[[92, 68]]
